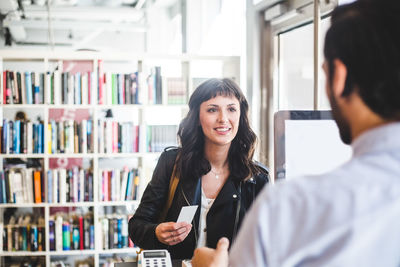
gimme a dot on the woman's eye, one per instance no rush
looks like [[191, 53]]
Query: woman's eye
[[232, 109], [212, 110]]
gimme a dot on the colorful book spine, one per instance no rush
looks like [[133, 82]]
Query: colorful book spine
[[28, 88]]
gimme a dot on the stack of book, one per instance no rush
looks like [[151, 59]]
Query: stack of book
[[71, 232], [177, 91], [69, 136], [23, 233], [154, 86], [23, 88], [119, 88], [22, 137], [20, 185], [114, 231], [119, 185], [69, 88], [159, 137], [118, 137], [69, 185]]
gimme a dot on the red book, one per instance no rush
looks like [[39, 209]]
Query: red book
[[89, 87], [81, 233], [101, 81], [4, 86]]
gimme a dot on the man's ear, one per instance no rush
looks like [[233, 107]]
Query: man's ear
[[339, 77]]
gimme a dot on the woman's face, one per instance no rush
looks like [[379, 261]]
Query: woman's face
[[219, 119]]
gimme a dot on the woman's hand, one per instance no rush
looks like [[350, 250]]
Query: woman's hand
[[171, 233]]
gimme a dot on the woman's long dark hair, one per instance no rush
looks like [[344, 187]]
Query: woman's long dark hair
[[191, 163]]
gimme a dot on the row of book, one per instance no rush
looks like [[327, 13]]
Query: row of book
[[28, 185], [81, 88], [118, 137], [23, 233], [114, 232], [118, 88], [70, 136], [20, 185], [23, 88], [119, 185], [159, 137], [71, 232], [177, 91], [21, 137], [69, 185]]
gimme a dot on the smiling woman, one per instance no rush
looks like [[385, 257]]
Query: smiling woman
[[215, 169]]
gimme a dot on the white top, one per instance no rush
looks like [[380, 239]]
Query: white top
[[347, 217], [206, 204]]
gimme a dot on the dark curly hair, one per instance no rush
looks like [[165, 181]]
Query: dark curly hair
[[364, 35], [191, 163]]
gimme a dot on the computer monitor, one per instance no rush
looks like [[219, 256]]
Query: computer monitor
[[307, 143]]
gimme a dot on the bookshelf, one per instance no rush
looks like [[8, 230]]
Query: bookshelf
[[96, 170]]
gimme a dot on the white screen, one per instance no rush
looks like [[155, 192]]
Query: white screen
[[313, 147]]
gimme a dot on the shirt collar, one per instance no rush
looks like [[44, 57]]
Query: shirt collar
[[386, 137]]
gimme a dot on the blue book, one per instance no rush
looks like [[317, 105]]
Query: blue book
[[78, 88], [40, 138], [49, 186], [1, 186], [10, 140], [129, 185], [52, 238], [34, 238], [17, 137], [53, 137], [5, 135], [91, 236], [120, 89], [89, 135], [37, 94], [119, 232], [34, 137], [28, 88]]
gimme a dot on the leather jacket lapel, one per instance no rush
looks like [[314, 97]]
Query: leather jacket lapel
[[228, 193], [191, 190]]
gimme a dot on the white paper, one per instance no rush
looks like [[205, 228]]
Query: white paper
[[187, 214], [313, 147]]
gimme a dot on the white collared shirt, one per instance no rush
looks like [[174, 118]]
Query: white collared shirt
[[347, 217]]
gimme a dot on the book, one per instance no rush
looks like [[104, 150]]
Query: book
[[38, 186]]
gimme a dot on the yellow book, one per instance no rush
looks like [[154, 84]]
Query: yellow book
[[49, 138]]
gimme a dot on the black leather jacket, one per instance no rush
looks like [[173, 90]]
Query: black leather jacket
[[220, 218]]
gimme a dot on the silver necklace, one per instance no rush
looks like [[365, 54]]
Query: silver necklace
[[216, 174]]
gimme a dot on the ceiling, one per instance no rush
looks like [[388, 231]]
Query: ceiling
[[77, 24]]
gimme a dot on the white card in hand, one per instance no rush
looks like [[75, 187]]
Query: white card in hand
[[187, 214]]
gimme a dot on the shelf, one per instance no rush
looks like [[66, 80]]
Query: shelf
[[148, 116], [23, 156], [71, 155], [119, 203], [69, 106], [35, 106], [23, 205], [72, 252], [22, 253], [72, 204], [123, 155], [120, 250], [52, 205]]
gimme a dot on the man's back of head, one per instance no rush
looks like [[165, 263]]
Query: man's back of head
[[365, 36]]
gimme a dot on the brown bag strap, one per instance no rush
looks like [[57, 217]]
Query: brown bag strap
[[173, 183]]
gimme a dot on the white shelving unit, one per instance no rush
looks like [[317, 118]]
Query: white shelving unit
[[46, 60]]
